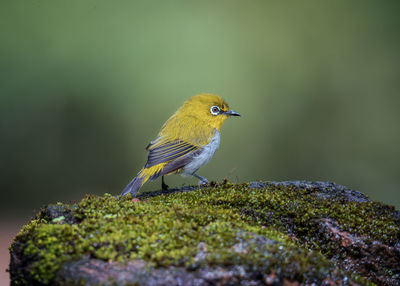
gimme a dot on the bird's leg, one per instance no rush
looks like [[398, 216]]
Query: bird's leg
[[203, 181], [164, 186]]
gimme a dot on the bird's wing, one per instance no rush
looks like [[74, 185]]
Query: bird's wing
[[179, 163], [162, 151], [178, 141]]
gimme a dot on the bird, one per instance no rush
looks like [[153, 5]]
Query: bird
[[186, 141]]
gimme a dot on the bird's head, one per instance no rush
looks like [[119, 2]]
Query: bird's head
[[209, 108]]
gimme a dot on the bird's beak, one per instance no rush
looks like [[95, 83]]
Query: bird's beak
[[231, 113]]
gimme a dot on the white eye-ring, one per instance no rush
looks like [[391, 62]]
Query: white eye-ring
[[214, 110]]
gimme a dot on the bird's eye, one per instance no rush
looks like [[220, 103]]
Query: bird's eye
[[214, 110]]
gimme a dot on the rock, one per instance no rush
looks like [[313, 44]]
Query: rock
[[262, 233]]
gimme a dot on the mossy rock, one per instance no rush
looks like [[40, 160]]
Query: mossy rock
[[271, 233]]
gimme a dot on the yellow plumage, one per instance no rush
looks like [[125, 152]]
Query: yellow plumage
[[188, 135]]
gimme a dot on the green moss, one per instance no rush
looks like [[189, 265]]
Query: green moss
[[231, 221], [296, 211]]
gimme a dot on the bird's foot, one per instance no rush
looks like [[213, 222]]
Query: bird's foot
[[202, 183], [164, 186]]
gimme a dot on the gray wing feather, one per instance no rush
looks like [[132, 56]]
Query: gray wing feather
[[168, 152], [177, 164]]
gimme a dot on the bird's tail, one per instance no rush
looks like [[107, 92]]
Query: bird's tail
[[142, 177], [134, 186]]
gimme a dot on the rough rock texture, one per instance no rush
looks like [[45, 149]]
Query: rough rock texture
[[262, 233]]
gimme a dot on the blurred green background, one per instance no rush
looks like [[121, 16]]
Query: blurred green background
[[85, 85]]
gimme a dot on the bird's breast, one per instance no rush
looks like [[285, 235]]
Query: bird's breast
[[206, 153]]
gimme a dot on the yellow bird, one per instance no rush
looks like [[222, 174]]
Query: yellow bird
[[186, 141]]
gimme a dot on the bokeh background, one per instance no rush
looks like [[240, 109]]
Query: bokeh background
[[85, 85]]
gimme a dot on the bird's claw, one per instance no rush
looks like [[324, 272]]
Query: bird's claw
[[164, 186], [202, 183]]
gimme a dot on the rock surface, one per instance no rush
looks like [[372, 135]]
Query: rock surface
[[262, 233]]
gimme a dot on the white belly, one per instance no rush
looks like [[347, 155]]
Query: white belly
[[206, 154]]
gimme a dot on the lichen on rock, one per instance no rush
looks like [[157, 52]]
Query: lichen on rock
[[256, 234]]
